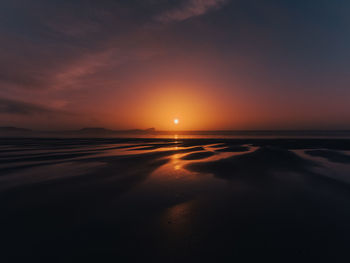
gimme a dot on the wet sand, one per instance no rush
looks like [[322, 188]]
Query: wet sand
[[181, 200]]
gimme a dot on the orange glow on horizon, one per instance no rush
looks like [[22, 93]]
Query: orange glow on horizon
[[188, 107], [181, 106]]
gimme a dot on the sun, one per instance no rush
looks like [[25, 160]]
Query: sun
[[176, 121]]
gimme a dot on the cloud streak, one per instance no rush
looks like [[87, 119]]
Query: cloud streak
[[189, 9], [8, 106]]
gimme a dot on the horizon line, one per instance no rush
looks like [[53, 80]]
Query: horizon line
[[179, 131]]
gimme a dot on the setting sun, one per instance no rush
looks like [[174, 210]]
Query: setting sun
[[176, 121]]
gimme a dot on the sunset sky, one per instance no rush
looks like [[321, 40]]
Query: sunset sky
[[212, 64]]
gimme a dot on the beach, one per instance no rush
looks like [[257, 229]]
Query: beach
[[175, 200]]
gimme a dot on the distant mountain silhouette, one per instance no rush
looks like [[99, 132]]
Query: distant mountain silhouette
[[94, 129], [88, 131], [13, 129], [15, 132]]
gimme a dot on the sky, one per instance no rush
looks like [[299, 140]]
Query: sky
[[213, 64]]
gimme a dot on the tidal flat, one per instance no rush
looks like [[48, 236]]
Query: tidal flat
[[174, 200]]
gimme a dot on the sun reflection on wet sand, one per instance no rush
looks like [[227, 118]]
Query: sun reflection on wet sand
[[175, 168], [176, 161]]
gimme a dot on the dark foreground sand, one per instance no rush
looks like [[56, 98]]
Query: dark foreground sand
[[148, 200]]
